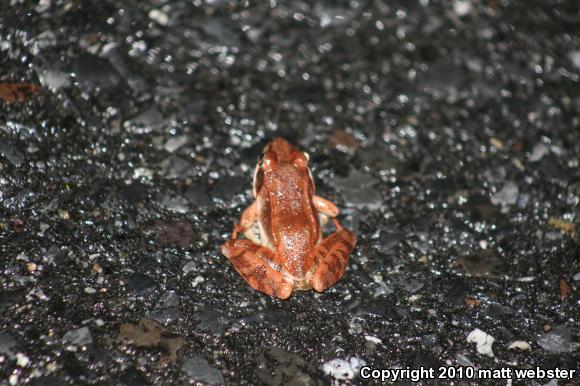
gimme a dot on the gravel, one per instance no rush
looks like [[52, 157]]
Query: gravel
[[448, 134]]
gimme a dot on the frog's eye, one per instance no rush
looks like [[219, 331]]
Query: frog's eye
[[299, 159], [270, 160]]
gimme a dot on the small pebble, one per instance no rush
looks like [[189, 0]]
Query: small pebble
[[187, 268], [482, 340], [174, 143], [343, 370], [198, 369], [197, 280], [559, 340], [166, 309], [462, 7], [464, 360], [520, 344], [78, 337], [539, 151], [22, 360], [159, 16], [574, 57], [373, 339], [508, 195]]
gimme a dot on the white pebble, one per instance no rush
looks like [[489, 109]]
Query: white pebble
[[175, 143], [520, 344], [197, 280], [187, 268], [143, 173], [37, 292], [373, 339], [342, 369], [483, 341], [22, 360], [462, 7], [21, 257], [159, 16], [574, 57], [538, 152]]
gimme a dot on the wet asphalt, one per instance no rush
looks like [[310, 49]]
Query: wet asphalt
[[447, 132]]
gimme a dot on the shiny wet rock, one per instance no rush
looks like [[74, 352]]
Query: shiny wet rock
[[446, 133]]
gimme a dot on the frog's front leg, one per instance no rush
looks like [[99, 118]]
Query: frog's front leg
[[331, 255], [255, 265], [248, 219], [325, 207]]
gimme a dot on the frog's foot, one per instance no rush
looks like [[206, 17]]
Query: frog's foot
[[255, 265], [332, 256]]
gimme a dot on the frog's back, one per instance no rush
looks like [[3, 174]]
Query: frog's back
[[294, 223]]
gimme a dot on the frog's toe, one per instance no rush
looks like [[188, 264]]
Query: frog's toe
[[283, 291]]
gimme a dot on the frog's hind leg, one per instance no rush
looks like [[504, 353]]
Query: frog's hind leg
[[332, 256], [255, 264]]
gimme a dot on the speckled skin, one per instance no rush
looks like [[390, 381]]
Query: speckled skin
[[284, 249]]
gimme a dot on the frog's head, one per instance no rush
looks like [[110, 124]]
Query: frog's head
[[276, 154]]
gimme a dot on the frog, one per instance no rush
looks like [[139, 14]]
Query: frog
[[284, 249]]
